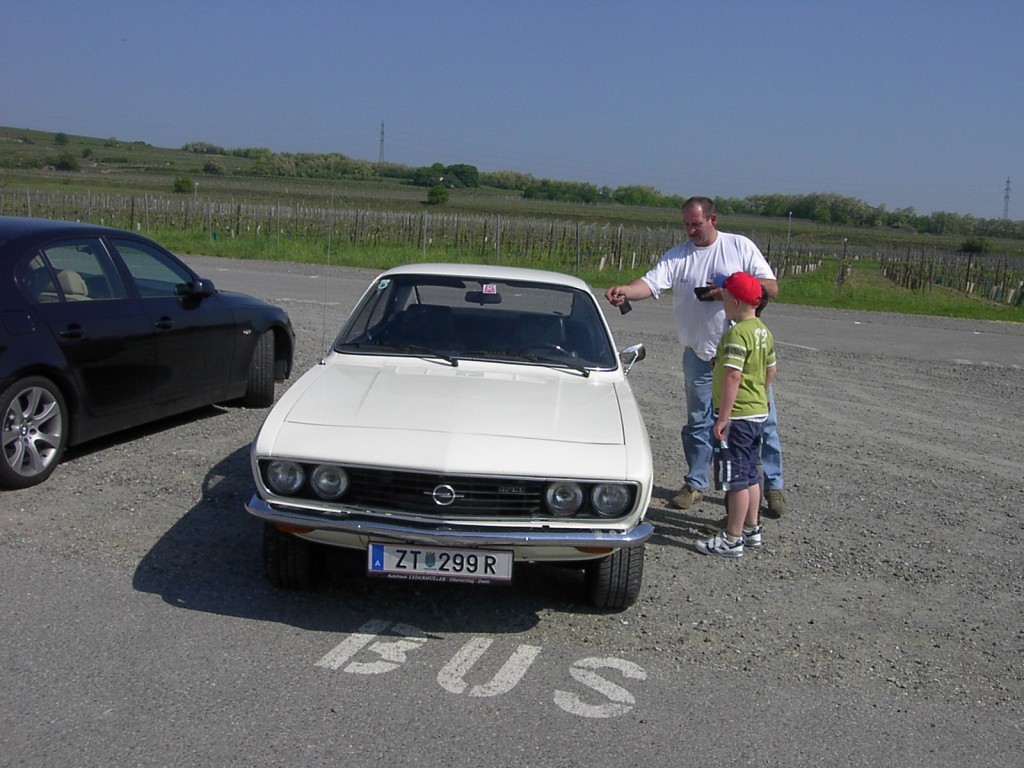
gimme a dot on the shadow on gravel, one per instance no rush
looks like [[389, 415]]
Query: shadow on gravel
[[681, 527], [122, 437], [210, 561]]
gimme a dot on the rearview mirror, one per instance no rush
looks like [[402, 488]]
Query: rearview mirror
[[483, 297]]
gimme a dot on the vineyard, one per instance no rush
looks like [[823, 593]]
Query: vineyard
[[568, 244], [995, 278], [565, 244]]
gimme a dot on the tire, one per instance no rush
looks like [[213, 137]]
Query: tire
[[613, 582], [288, 561], [34, 431], [259, 390]]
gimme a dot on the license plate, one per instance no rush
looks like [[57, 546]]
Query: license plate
[[403, 561]]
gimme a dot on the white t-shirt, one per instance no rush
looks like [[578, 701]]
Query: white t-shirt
[[700, 324]]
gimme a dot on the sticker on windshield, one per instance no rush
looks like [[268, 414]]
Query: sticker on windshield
[[383, 284], [489, 288]]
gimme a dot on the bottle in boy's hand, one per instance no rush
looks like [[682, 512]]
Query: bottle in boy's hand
[[717, 468]]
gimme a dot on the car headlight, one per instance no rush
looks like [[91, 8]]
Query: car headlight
[[285, 477], [609, 499], [329, 481], [564, 498]]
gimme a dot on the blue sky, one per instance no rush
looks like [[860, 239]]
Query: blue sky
[[907, 104]]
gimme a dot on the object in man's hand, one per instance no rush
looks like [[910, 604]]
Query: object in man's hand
[[763, 303], [703, 293], [625, 307]]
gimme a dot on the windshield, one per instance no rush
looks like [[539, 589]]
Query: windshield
[[463, 318]]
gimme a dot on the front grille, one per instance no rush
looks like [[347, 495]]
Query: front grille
[[428, 494], [415, 492]]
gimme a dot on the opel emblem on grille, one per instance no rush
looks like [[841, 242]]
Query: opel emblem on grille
[[444, 495]]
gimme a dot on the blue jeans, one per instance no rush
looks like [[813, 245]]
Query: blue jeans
[[696, 433], [771, 449]]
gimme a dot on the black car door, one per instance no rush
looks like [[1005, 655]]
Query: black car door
[[106, 338], [195, 336]]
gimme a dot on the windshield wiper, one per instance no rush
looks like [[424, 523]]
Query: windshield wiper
[[408, 348], [555, 362]]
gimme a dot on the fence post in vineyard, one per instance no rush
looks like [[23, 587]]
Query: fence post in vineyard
[[497, 237], [841, 272], [577, 247], [423, 235]]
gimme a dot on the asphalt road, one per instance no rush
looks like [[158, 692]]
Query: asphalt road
[[137, 629]]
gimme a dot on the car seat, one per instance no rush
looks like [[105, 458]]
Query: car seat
[[72, 284]]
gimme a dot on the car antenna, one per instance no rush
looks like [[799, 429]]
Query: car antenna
[[327, 274]]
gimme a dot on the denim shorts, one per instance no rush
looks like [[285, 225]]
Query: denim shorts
[[735, 462]]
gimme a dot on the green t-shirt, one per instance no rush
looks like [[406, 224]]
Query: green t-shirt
[[748, 346]]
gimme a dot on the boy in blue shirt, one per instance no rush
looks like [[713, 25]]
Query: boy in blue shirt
[[744, 369]]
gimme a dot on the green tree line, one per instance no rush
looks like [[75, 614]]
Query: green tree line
[[819, 207]]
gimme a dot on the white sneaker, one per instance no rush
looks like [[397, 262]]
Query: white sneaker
[[720, 545]]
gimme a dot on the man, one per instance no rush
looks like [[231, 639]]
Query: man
[[700, 323]]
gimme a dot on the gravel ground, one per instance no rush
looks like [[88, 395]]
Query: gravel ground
[[897, 570]]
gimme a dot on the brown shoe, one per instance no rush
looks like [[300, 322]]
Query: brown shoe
[[686, 497], [776, 503]]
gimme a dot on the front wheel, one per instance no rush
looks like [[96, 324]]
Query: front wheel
[[289, 562], [613, 582], [35, 431], [259, 390]]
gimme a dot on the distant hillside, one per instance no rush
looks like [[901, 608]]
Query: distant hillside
[[26, 150]]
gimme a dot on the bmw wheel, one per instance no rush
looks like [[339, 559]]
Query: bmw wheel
[[35, 431], [259, 391]]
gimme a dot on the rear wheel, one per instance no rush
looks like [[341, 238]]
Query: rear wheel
[[613, 582], [288, 561], [35, 431], [259, 390]]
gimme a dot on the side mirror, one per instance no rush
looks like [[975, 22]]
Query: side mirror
[[632, 355], [201, 287]]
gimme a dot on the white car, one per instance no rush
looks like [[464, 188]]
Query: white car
[[468, 419]]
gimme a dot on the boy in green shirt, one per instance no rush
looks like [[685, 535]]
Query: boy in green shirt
[[744, 369]]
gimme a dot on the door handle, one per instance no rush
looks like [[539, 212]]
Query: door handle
[[164, 324], [74, 331]]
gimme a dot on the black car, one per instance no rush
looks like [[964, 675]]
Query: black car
[[101, 330]]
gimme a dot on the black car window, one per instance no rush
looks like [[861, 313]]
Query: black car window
[[73, 270], [36, 280], [155, 273]]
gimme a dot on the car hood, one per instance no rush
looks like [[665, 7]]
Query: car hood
[[430, 415]]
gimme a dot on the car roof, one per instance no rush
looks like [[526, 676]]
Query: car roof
[[490, 272], [18, 227]]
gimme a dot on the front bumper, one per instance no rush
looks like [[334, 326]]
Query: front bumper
[[451, 535]]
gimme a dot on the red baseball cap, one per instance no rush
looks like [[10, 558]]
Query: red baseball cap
[[743, 286]]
